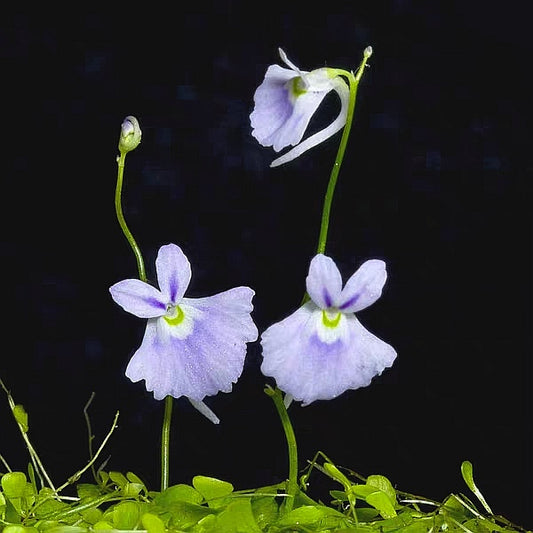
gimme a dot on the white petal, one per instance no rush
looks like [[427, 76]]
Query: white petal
[[364, 287], [309, 369], [324, 282], [138, 298]]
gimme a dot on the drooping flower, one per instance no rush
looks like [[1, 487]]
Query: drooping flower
[[322, 350], [193, 347], [285, 103]]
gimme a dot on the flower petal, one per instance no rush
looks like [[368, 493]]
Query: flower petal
[[208, 359], [200, 406], [324, 282], [364, 287], [173, 272], [340, 87], [309, 369], [138, 298], [273, 106]]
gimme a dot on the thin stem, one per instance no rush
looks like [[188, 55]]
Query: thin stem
[[90, 433], [72, 479], [292, 486], [120, 216], [165, 432], [165, 443], [38, 465], [326, 210]]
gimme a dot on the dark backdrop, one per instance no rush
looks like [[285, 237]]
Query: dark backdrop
[[435, 182]]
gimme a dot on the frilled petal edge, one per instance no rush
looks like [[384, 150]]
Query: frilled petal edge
[[311, 369], [208, 360]]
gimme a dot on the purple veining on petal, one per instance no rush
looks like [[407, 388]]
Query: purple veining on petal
[[156, 303], [327, 298], [173, 289], [349, 302]]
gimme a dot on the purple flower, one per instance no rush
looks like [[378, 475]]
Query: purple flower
[[285, 103], [322, 350], [193, 347]]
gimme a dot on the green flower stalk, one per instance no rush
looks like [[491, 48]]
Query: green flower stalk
[[192, 347], [130, 138], [284, 105]]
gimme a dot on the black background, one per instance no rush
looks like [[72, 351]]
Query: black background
[[435, 182]]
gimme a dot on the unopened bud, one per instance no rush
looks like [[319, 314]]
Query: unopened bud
[[367, 52], [130, 135]]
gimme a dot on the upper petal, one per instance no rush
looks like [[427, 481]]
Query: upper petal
[[324, 282], [364, 287], [138, 298], [173, 272]]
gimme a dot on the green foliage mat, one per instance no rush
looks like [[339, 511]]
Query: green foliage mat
[[31, 503], [123, 503]]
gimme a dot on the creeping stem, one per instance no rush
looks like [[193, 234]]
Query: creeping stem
[[353, 80], [167, 416]]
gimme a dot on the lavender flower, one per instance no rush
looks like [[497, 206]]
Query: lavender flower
[[322, 350], [191, 347], [285, 103]]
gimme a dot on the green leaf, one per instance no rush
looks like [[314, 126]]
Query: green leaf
[[211, 488], [67, 529], [14, 484], [87, 491], [303, 516], [134, 479], [118, 479], [237, 517], [92, 515], [380, 501], [336, 474], [103, 524], [265, 510], [185, 514], [467, 470], [178, 493], [152, 523], [126, 515], [376, 498], [383, 484], [19, 529], [21, 416]]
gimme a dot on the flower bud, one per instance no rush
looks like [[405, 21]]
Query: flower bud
[[130, 135]]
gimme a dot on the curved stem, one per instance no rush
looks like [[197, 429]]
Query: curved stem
[[167, 416], [120, 216], [326, 210], [165, 443], [292, 486]]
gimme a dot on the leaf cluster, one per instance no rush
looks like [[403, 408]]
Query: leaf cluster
[[121, 502]]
